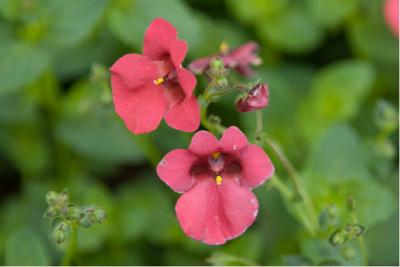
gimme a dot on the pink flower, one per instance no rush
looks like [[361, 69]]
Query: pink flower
[[257, 98], [216, 178], [391, 10], [154, 85], [239, 59]]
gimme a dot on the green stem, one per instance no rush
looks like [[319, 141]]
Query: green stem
[[311, 222], [69, 254], [259, 121], [361, 240]]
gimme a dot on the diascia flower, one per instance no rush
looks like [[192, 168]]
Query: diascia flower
[[216, 178], [239, 59], [154, 85], [391, 12]]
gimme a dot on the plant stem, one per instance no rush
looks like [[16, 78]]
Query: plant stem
[[361, 240], [311, 222], [69, 254], [259, 121]]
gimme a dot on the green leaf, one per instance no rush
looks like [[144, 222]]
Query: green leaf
[[336, 94], [320, 252], [223, 259], [71, 21], [92, 129], [332, 13], [337, 170], [144, 210], [285, 25], [371, 38], [339, 156], [26, 146], [292, 31], [24, 247], [129, 19], [20, 64]]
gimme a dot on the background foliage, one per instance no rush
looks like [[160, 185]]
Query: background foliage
[[332, 67]]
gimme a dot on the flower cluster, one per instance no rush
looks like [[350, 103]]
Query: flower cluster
[[67, 215], [215, 176]]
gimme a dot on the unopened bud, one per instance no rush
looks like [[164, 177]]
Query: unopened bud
[[85, 221], [64, 196], [51, 212], [354, 230], [51, 197], [338, 237], [256, 98], [74, 213], [99, 215], [217, 63], [61, 232]]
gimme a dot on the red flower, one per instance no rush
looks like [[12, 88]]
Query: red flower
[[154, 85], [239, 59], [391, 11], [257, 98], [216, 177]]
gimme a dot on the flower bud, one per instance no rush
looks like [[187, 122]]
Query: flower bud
[[73, 213], [99, 215], [61, 232], [217, 71], [51, 212], [256, 98], [338, 238], [85, 221], [354, 230], [51, 197]]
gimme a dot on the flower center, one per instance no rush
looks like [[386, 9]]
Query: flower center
[[159, 81], [215, 155], [218, 179]]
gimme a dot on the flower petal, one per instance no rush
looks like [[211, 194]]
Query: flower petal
[[233, 140], [187, 81], [216, 213], [256, 166], [185, 116], [174, 169], [204, 143], [130, 72], [178, 50], [157, 39], [200, 65], [141, 110]]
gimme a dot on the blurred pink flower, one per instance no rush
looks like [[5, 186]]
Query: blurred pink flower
[[216, 178], [154, 85], [391, 11], [256, 99], [239, 59]]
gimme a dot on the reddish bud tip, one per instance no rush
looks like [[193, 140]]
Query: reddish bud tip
[[256, 98]]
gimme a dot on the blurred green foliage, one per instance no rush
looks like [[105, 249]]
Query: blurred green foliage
[[328, 65]]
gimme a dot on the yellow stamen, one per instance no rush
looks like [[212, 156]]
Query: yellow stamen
[[215, 155], [218, 179], [224, 47], [159, 81]]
